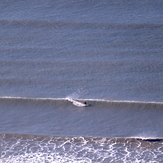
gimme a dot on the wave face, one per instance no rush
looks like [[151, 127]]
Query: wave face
[[67, 117], [27, 148]]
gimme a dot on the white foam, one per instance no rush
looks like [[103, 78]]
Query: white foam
[[147, 135], [77, 103]]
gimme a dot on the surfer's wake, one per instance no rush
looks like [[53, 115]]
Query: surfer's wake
[[77, 103]]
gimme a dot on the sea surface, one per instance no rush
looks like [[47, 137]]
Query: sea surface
[[81, 81]]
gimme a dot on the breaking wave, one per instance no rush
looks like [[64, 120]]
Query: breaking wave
[[79, 102], [30, 148]]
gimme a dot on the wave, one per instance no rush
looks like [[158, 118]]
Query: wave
[[81, 100], [70, 117], [57, 24], [70, 103], [85, 102]]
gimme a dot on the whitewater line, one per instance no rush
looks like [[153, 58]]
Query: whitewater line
[[77, 100]]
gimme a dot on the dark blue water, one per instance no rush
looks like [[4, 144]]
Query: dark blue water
[[107, 53]]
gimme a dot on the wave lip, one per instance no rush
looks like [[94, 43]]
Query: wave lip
[[149, 139], [82, 100]]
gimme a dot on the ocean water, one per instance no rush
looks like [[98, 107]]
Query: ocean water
[[56, 55]]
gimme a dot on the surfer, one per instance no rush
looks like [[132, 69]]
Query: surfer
[[85, 103]]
